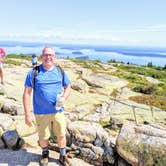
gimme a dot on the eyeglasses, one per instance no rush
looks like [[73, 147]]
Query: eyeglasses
[[45, 55]]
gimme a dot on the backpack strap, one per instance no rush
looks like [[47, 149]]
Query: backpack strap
[[36, 71], [62, 73]]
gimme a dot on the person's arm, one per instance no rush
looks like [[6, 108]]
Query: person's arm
[[66, 92], [26, 103], [65, 95]]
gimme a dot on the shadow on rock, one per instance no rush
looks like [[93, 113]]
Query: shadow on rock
[[21, 157]]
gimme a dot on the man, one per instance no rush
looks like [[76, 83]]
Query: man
[[2, 56], [47, 84]]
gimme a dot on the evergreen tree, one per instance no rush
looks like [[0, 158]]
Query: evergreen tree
[[149, 64]]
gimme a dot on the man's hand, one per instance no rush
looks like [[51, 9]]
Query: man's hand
[[61, 101], [28, 120]]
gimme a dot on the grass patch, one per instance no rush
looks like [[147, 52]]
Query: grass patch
[[93, 65], [13, 62], [154, 72], [19, 56], [153, 94], [151, 100]]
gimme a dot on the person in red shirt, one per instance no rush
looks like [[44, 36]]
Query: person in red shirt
[[2, 56]]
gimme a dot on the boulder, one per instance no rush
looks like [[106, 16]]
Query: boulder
[[12, 107], [5, 121], [93, 142], [142, 145], [79, 86]]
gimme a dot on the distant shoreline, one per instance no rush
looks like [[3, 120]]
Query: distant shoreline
[[125, 54]]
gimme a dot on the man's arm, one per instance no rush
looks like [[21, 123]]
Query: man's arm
[[65, 95], [66, 92], [26, 103]]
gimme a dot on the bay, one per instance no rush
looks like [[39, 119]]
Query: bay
[[138, 56]]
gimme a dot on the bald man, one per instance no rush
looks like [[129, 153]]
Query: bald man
[[47, 85]]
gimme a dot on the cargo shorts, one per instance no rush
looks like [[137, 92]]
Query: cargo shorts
[[55, 121]]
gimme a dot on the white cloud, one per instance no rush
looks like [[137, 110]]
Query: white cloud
[[138, 36]]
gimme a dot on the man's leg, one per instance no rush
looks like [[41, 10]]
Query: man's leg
[[62, 145], [45, 152], [59, 126], [62, 149], [43, 126], [43, 143]]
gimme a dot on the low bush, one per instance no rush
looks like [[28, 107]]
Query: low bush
[[151, 100], [145, 89]]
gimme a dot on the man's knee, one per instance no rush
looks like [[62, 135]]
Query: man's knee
[[62, 138], [62, 141], [43, 143]]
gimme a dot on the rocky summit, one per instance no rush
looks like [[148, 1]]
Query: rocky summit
[[104, 126]]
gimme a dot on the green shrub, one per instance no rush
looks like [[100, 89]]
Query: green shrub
[[155, 72], [112, 61], [146, 89]]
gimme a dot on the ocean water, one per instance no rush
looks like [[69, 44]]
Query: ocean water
[[139, 56]]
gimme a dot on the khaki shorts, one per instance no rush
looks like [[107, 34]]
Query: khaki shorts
[[47, 121]]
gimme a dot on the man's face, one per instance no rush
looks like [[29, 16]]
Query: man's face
[[48, 57]]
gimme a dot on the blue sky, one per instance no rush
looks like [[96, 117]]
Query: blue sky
[[112, 22]]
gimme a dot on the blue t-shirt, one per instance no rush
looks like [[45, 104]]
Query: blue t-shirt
[[48, 83]]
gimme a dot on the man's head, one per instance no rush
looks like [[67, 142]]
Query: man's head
[[48, 57], [48, 50]]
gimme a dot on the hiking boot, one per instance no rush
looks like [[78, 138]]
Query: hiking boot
[[64, 160], [44, 160]]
